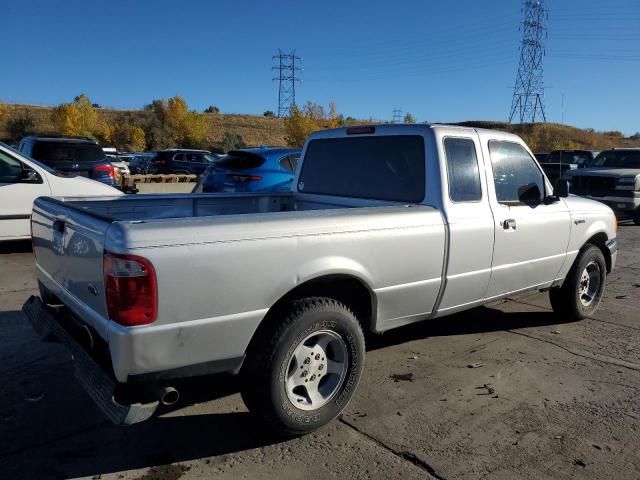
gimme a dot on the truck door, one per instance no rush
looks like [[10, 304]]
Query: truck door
[[531, 237], [470, 221]]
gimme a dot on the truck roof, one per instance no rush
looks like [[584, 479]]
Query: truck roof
[[404, 128]]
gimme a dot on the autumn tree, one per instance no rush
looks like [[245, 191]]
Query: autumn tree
[[124, 136], [76, 118], [312, 117], [170, 123]]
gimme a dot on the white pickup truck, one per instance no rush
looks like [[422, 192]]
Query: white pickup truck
[[386, 225]]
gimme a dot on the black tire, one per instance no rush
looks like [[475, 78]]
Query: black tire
[[272, 360], [567, 301], [636, 218]]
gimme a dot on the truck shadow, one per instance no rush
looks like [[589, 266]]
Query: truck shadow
[[87, 445]]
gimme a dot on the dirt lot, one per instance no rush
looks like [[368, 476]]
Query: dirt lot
[[547, 400]]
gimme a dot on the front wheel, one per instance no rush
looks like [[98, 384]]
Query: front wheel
[[302, 374], [583, 287]]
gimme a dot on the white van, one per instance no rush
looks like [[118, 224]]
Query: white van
[[23, 179]]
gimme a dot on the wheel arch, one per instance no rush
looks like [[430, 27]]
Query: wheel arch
[[600, 240], [348, 289]]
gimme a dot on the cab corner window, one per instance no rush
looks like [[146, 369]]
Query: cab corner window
[[515, 174], [462, 169]]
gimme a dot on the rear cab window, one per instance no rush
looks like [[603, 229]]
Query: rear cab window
[[385, 167], [462, 170], [52, 151]]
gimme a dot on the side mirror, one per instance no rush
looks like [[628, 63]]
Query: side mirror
[[29, 176], [530, 194], [561, 189]]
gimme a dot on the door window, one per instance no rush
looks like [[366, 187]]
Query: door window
[[179, 157], [517, 178], [10, 169], [462, 169]]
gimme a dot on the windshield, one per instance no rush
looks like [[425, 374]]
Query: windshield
[[67, 152], [618, 159]]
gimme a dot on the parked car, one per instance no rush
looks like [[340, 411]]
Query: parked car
[[580, 158], [139, 163], [542, 157], [24, 179], [264, 169], [180, 161], [385, 225], [613, 178], [78, 155]]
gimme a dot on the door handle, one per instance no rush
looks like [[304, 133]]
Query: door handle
[[509, 224]]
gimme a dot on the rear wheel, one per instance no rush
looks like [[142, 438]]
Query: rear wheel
[[636, 217], [583, 287], [302, 374]]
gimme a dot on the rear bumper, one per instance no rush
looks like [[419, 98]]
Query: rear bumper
[[96, 380]]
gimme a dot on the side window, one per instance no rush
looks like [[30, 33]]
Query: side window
[[10, 169], [294, 161], [462, 169], [285, 162], [516, 176], [179, 157]]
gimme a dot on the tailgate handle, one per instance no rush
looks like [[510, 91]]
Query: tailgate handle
[[58, 226]]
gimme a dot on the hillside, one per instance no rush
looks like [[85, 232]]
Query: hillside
[[259, 130]]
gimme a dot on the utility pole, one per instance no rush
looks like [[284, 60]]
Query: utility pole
[[397, 115], [527, 105], [287, 66]]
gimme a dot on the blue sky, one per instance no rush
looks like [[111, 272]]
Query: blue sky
[[441, 61]]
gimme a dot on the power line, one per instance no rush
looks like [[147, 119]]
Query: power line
[[397, 115], [527, 103], [287, 69]]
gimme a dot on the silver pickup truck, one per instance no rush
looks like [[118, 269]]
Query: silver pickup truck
[[386, 225]]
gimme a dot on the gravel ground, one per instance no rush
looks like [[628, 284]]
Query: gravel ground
[[546, 399]]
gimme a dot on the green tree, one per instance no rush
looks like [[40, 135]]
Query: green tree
[[408, 118], [232, 141], [21, 126], [268, 113], [212, 109]]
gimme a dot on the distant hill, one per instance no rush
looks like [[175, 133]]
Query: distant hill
[[260, 130]]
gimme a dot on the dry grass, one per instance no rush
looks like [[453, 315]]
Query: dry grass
[[258, 130]]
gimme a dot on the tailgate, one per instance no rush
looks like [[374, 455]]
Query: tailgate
[[69, 246]]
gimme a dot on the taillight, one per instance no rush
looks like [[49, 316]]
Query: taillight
[[244, 178], [131, 291], [108, 169]]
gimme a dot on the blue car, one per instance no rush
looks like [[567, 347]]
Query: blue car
[[263, 169]]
